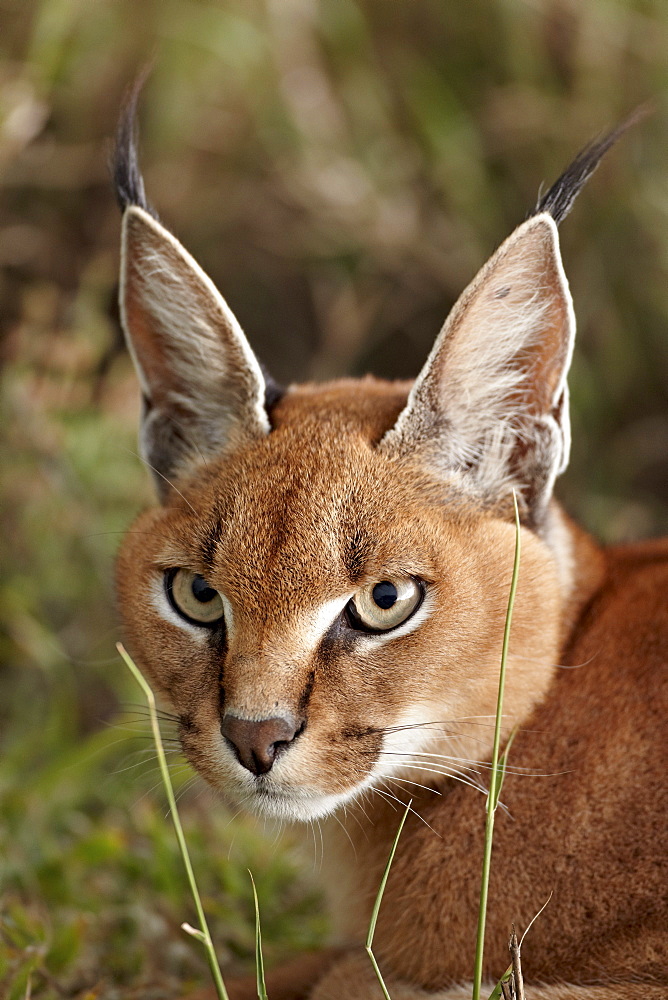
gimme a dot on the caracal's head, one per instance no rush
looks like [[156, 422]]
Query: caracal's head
[[321, 592]]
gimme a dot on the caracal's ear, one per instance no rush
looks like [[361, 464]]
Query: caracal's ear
[[491, 403], [203, 389]]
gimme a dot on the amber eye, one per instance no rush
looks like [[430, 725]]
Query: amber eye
[[193, 598], [381, 606]]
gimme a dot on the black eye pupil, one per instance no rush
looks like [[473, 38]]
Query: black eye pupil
[[201, 590], [385, 594]]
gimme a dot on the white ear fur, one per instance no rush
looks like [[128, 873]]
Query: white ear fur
[[202, 385], [491, 401]]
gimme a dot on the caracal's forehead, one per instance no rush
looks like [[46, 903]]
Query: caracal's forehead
[[313, 508]]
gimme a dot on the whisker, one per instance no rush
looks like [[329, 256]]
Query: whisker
[[362, 805], [452, 722], [558, 666], [145, 760], [343, 827], [143, 725], [437, 727], [139, 709], [389, 796], [450, 773], [278, 830], [407, 781], [91, 754], [186, 788], [353, 813], [315, 846], [363, 802], [139, 735], [149, 791], [486, 765], [437, 723], [123, 721], [230, 821], [322, 844], [102, 661], [447, 734], [138, 730], [182, 791]]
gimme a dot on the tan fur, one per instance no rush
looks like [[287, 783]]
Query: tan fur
[[354, 484]]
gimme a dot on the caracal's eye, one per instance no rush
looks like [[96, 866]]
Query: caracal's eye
[[381, 606], [193, 598]]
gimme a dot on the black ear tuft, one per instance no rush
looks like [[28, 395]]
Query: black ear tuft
[[126, 175], [558, 201]]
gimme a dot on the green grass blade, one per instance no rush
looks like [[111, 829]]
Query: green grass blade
[[503, 760], [376, 907], [259, 960], [496, 993], [379, 974], [495, 773], [203, 934], [189, 929]]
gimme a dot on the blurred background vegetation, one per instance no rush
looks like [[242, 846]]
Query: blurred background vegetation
[[341, 168]]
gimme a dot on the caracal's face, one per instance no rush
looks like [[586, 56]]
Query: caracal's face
[[322, 592], [252, 600]]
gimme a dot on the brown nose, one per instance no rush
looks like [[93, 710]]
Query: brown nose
[[256, 744]]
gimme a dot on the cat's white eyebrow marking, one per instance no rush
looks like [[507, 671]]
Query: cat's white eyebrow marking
[[160, 602], [229, 615], [315, 622]]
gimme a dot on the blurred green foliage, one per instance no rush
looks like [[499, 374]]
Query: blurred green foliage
[[341, 168]]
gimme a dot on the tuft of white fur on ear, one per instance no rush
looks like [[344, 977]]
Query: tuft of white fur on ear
[[202, 386], [491, 402]]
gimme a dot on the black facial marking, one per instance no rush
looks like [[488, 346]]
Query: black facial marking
[[210, 541], [306, 693], [337, 640], [187, 724], [356, 554], [361, 732], [217, 639], [367, 739]]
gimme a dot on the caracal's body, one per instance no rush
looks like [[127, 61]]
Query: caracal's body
[[322, 593]]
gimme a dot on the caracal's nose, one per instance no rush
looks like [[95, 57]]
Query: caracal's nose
[[257, 744]]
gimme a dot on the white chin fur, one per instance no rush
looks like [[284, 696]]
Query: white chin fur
[[292, 806]]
